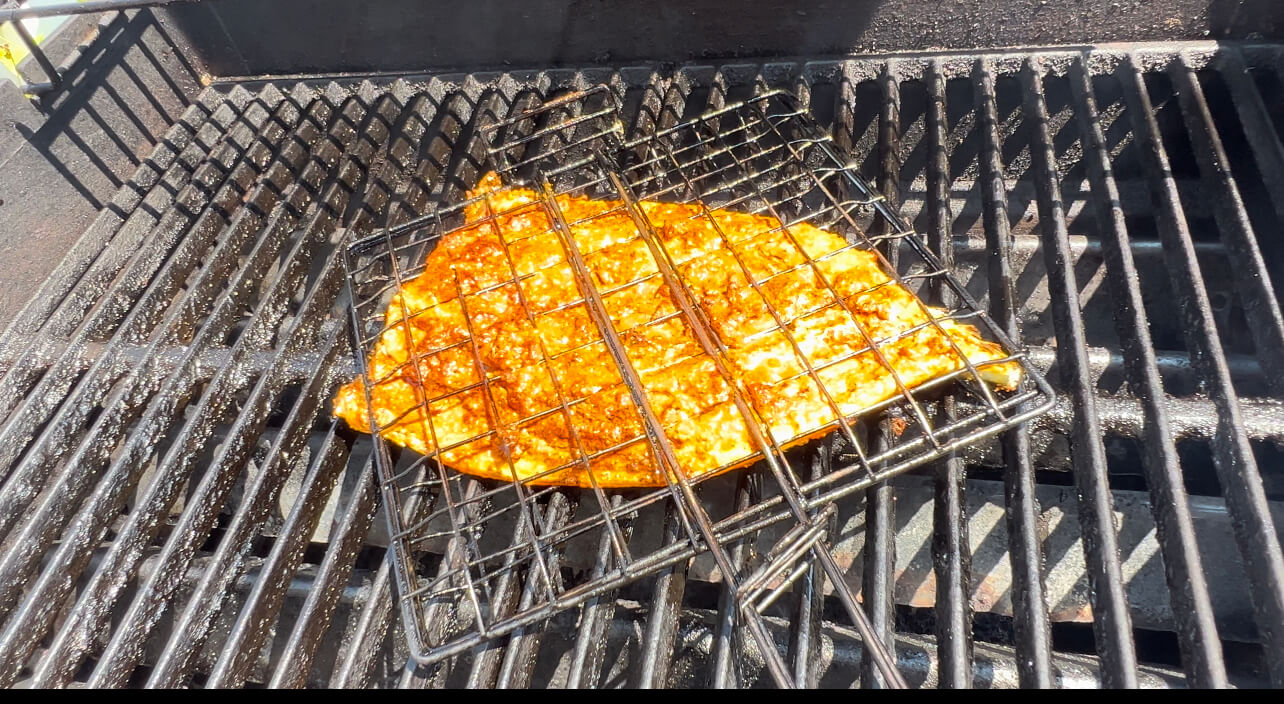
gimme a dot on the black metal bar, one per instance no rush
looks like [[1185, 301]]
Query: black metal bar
[[376, 618], [951, 553], [804, 631], [652, 672], [193, 625], [181, 235], [122, 272], [208, 495], [1240, 480], [504, 598], [727, 644], [879, 575], [438, 617], [202, 507], [253, 625], [844, 110], [417, 676], [56, 509], [370, 637], [805, 645], [1029, 600], [1187, 587], [336, 568], [156, 169], [1111, 623], [1253, 282], [1259, 127], [519, 657], [1187, 416], [595, 620], [488, 655], [874, 626], [808, 591], [952, 563], [124, 649], [885, 660], [889, 141]]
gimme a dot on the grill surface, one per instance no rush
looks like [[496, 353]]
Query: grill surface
[[178, 508]]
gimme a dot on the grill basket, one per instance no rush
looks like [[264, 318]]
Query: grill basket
[[500, 555]]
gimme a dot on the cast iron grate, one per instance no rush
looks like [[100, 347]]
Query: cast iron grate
[[1080, 178]]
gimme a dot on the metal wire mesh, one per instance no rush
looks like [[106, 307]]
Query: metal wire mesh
[[504, 543]]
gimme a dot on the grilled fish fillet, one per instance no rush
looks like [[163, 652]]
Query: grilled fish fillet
[[480, 351]]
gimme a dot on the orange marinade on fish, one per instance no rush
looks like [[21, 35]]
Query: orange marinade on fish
[[519, 313]]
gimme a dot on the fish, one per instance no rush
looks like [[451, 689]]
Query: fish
[[491, 362]]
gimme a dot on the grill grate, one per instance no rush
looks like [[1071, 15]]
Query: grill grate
[[975, 568]]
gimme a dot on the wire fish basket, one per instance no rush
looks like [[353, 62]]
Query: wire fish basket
[[478, 559]]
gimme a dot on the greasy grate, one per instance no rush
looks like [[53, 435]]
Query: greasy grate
[[763, 156], [1128, 538]]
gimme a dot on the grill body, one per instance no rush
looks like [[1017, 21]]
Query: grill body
[[178, 507]]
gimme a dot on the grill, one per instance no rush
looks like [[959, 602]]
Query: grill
[[177, 506]]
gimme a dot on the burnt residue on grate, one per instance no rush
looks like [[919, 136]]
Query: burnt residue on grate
[[177, 506]]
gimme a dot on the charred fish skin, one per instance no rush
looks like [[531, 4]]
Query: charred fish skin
[[490, 359]]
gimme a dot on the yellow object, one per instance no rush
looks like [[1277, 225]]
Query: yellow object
[[12, 49]]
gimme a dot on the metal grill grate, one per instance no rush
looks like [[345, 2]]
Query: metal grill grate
[[975, 568]]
